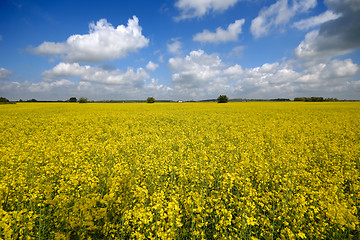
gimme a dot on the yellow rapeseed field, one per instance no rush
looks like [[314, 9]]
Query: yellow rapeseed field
[[256, 170]]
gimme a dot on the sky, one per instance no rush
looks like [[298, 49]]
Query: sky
[[179, 49]]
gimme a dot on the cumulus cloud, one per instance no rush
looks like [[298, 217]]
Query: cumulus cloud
[[62, 89], [234, 71], [334, 38], [272, 80], [195, 70], [48, 86], [221, 35], [329, 74], [200, 75], [5, 73], [154, 88], [196, 76], [317, 20], [198, 8], [51, 48], [278, 15], [130, 78], [174, 46], [65, 70], [151, 66], [104, 42], [92, 82], [269, 80], [9, 89], [333, 78]]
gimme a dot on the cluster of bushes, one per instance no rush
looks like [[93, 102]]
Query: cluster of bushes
[[74, 99], [222, 99], [150, 100], [315, 99], [5, 101], [280, 100]]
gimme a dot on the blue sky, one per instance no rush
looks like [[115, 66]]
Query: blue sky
[[179, 49]]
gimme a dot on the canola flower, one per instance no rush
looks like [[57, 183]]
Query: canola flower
[[180, 171]]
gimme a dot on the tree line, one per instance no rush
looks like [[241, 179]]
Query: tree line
[[5, 101], [220, 99], [315, 99]]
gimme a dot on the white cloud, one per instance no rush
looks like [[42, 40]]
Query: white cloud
[[196, 76], [199, 76], [95, 83], [48, 86], [153, 88], [334, 38], [333, 78], [330, 74], [64, 89], [198, 8], [51, 48], [317, 20], [130, 78], [341, 69], [195, 70], [65, 70], [268, 80], [104, 42], [234, 71], [4, 73], [174, 46], [7, 88], [152, 66], [278, 15], [303, 5], [328, 79], [221, 35]]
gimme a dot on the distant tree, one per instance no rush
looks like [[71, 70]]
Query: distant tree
[[32, 100], [317, 99], [83, 100], [150, 100], [222, 99], [72, 99], [311, 99], [3, 100], [331, 100], [280, 100]]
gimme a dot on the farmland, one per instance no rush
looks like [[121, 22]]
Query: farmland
[[180, 171]]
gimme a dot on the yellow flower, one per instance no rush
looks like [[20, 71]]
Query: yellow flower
[[189, 171]]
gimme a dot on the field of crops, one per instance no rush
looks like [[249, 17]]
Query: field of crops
[[180, 171]]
